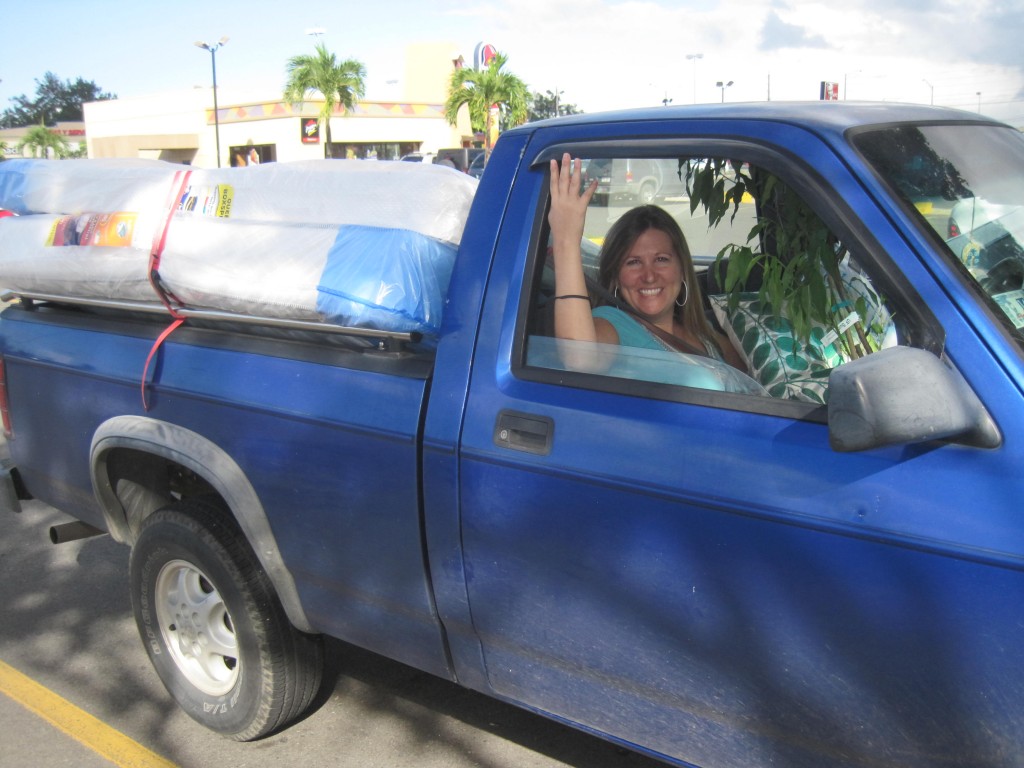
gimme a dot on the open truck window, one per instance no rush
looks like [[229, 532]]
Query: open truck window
[[775, 281]]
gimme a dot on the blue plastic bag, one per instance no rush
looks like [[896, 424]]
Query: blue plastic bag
[[13, 184], [388, 279]]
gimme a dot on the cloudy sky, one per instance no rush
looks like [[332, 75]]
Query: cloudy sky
[[602, 54]]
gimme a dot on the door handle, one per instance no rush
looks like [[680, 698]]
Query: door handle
[[524, 432]]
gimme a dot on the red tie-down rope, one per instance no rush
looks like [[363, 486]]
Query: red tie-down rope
[[175, 194]]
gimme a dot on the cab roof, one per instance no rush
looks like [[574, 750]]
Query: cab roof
[[822, 116]]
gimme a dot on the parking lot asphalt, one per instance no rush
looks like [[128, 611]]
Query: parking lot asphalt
[[68, 627]]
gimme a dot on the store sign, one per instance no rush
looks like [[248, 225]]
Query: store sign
[[310, 130], [483, 54], [829, 91]]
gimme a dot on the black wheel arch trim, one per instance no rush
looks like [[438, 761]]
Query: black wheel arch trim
[[213, 464]]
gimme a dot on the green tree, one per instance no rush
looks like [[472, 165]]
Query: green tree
[[41, 142], [479, 89], [339, 82], [55, 100], [550, 104]]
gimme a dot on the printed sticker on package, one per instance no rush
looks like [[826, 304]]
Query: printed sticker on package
[[207, 200], [113, 229]]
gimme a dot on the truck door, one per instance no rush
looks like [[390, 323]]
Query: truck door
[[685, 563]]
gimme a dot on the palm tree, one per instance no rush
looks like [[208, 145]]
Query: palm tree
[[41, 140], [479, 89], [339, 82]]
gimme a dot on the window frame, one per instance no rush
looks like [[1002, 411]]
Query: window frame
[[916, 324]]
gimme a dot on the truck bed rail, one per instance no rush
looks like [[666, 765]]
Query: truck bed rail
[[386, 340]]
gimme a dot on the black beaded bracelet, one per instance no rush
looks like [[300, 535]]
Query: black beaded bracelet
[[572, 296]]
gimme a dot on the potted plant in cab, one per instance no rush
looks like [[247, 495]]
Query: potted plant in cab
[[790, 298]]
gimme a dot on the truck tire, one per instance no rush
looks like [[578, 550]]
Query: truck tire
[[214, 628]]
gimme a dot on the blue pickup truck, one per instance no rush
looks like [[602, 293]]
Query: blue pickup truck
[[816, 562]]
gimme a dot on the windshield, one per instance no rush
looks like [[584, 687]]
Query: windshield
[[967, 182]]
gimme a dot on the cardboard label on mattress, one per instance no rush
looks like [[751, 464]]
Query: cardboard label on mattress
[[114, 229], [207, 200]]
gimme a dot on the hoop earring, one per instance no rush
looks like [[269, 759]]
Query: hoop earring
[[686, 295], [615, 293]]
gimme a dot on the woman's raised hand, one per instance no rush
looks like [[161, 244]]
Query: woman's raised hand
[[568, 203]]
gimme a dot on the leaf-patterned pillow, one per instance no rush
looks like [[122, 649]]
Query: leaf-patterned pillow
[[783, 365], [787, 367]]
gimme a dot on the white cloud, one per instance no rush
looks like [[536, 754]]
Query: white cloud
[[778, 34]]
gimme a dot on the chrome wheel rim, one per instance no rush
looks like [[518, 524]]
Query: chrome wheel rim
[[196, 627]]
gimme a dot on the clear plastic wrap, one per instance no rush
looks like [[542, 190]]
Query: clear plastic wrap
[[83, 186], [429, 199], [29, 263], [366, 244], [269, 269]]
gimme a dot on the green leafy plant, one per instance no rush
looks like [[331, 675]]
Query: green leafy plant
[[480, 90], [339, 83], [41, 142], [797, 255]]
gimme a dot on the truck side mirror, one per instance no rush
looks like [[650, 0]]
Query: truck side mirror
[[904, 395]]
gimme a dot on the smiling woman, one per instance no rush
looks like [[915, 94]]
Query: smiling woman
[[645, 266]]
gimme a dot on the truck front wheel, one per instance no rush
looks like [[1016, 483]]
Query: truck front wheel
[[213, 626]]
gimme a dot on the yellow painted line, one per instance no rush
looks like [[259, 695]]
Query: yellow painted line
[[76, 723]]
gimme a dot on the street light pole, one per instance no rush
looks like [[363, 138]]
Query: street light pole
[[723, 86], [213, 60], [846, 77], [932, 87], [693, 57]]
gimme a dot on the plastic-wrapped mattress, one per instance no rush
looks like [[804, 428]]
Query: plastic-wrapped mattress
[[356, 243]]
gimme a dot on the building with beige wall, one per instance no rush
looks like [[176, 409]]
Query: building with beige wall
[[257, 124]]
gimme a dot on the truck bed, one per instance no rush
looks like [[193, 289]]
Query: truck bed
[[326, 430]]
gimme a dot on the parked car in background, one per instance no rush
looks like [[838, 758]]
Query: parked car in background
[[462, 157], [973, 213], [418, 157], [476, 168], [989, 238], [635, 180]]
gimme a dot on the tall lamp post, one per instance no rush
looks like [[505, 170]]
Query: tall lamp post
[[693, 57], [723, 86], [846, 78], [213, 59]]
